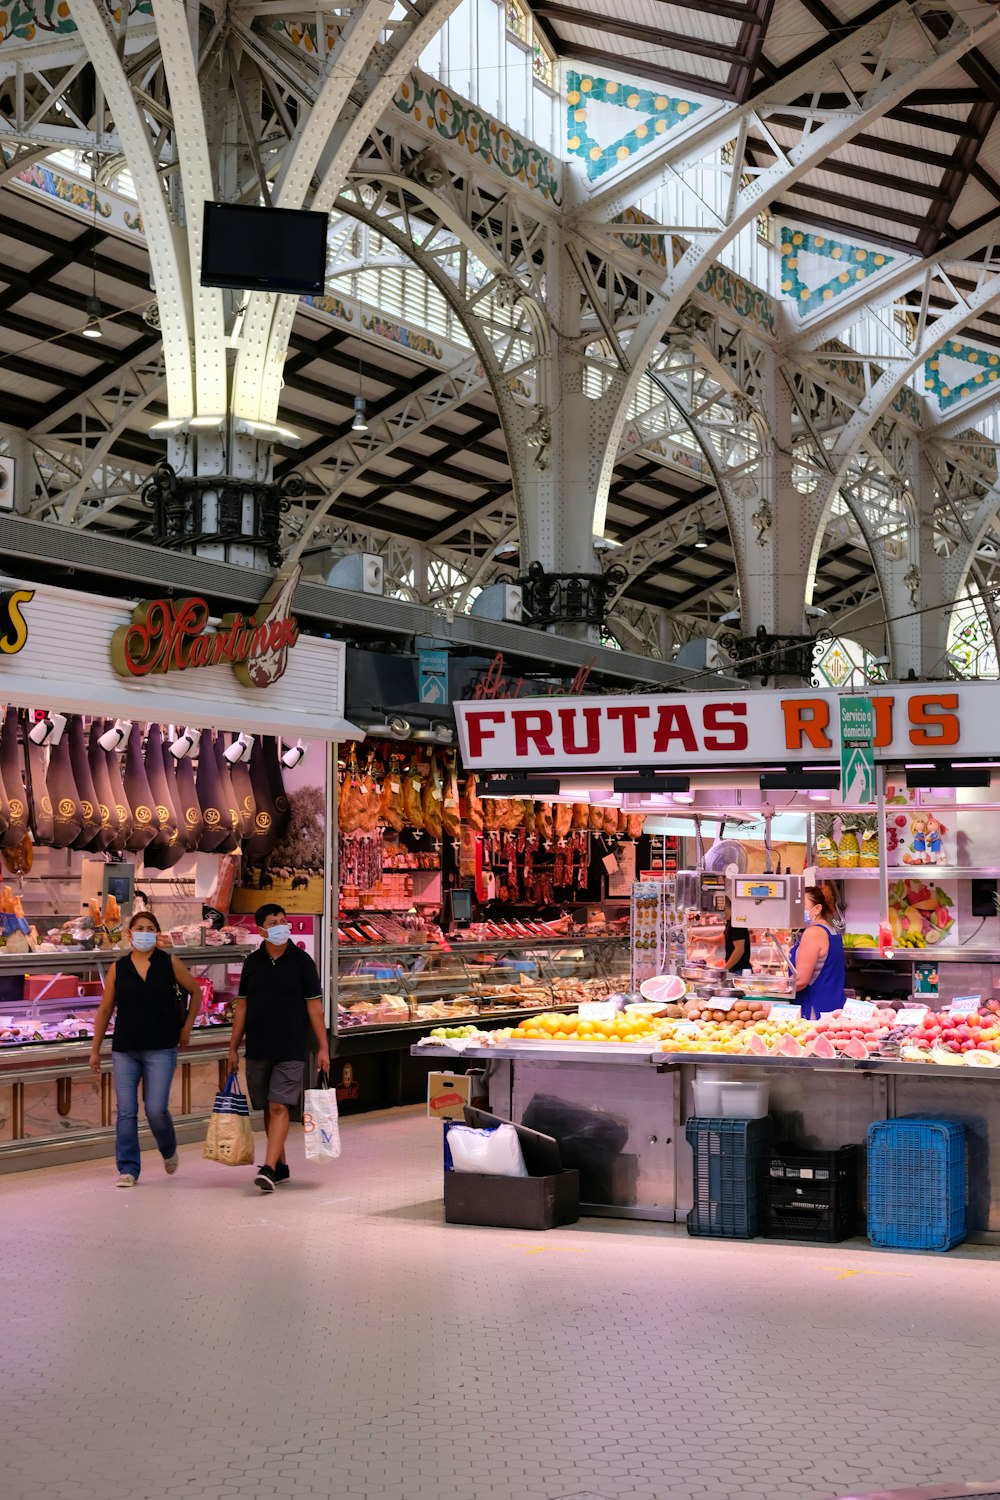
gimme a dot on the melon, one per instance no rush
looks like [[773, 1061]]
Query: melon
[[856, 1049], [758, 1046], [667, 988], [981, 1059], [789, 1046], [823, 1047]]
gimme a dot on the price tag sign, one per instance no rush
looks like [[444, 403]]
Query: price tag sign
[[785, 1013], [687, 1029], [858, 1010], [597, 1010], [911, 1015], [965, 1005]]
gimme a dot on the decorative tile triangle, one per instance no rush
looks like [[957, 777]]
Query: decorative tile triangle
[[805, 266], [959, 370], [590, 102]]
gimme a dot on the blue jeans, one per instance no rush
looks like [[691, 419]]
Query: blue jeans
[[156, 1070]]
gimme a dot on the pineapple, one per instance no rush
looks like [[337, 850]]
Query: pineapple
[[869, 841], [826, 848], [849, 850]]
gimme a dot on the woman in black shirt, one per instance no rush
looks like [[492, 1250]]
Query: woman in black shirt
[[151, 1023]]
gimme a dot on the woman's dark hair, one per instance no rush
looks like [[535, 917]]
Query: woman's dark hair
[[824, 898], [143, 916], [269, 909]]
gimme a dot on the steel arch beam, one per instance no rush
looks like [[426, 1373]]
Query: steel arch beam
[[333, 135], [892, 88], [164, 238]]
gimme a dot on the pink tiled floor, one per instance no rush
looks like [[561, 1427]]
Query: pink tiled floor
[[192, 1338]]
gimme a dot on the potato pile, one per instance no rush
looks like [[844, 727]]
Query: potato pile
[[741, 1013]]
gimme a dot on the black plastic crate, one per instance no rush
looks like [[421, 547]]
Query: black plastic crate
[[808, 1211], [730, 1161], [791, 1163]]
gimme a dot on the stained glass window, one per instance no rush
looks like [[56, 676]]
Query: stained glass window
[[517, 20]]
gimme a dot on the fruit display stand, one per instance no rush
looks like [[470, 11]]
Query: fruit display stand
[[619, 1113]]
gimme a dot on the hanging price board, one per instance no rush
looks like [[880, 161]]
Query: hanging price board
[[858, 1010], [785, 1013], [965, 1005], [597, 1010], [911, 1015]]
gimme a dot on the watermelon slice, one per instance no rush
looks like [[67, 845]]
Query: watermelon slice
[[758, 1046], [856, 1049], [790, 1046], [823, 1047]]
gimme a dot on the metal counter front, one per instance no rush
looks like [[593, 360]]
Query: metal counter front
[[618, 1112]]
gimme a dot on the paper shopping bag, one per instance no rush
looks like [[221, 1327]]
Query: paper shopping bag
[[320, 1122], [230, 1135]]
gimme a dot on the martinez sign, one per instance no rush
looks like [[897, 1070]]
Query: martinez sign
[[169, 635], [705, 730]]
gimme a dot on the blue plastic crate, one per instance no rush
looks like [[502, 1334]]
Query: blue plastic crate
[[917, 1183], [730, 1163]]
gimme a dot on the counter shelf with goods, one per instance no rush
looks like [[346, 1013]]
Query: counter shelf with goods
[[434, 985]]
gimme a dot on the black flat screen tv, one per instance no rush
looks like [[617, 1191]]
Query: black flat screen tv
[[260, 249]]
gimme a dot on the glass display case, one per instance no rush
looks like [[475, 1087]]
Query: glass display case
[[426, 984]]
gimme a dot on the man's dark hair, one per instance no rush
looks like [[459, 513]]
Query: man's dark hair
[[269, 909]]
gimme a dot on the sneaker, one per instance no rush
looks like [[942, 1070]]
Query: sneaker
[[171, 1163], [126, 1180], [281, 1172], [265, 1179]]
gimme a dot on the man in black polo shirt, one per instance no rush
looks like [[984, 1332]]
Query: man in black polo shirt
[[280, 999]]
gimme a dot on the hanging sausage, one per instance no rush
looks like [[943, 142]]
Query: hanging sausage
[[192, 824], [39, 802], [230, 811], [432, 799], [98, 760], [391, 802], [123, 807], [140, 795], [276, 780], [218, 829], [67, 815], [12, 773], [264, 838], [166, 849], [246, 807], [90, 834], [413, 796]]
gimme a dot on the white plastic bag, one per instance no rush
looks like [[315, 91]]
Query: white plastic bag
[[496, 1153], [320, 1122]]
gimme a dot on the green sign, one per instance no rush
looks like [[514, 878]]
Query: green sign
[[857, 756]]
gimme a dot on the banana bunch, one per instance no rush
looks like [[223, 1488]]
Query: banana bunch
[[912, 940]]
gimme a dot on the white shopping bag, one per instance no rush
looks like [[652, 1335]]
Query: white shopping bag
[[320, 1122]]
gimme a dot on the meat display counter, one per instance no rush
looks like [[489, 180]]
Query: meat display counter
[[51, 1106], [390, 995]]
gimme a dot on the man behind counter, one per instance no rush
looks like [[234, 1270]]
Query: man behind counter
[[737, 943]]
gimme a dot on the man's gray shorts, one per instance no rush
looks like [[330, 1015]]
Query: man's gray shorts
[[274, 1082]]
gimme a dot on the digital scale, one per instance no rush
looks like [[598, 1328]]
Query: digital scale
[[768, 900]]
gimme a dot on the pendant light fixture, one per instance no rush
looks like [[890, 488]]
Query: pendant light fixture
[[360, 423], [701, 535], [92, 329]]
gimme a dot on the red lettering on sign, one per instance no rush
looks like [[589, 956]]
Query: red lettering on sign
[[806, 720], [480, 728], [934, 720], [534, 726], [629, 714], [719, 716], [883, 722], [592, 724], [674, 724]]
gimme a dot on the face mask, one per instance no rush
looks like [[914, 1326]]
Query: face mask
[[143, 940], [278, 934]]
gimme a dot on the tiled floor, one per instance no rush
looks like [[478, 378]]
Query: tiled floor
[[192, 1338]]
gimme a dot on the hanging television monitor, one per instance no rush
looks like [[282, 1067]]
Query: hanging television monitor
[[257, 249]]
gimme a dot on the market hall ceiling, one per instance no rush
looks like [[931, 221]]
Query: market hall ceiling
[[921, 177]]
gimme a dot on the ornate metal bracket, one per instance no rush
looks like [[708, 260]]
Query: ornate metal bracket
[[179, 510], [763, 519], [763, 655], [569, 598]]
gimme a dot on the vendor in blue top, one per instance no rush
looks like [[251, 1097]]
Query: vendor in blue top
[[818, 956]]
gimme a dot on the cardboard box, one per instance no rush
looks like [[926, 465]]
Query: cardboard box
[[447, 1095]]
